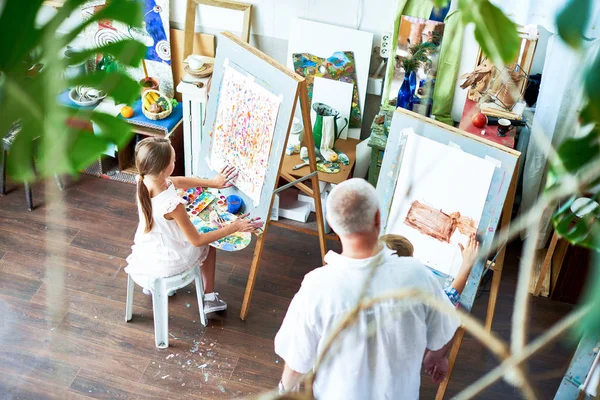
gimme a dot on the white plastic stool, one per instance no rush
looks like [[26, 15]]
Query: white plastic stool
[[160, 301]]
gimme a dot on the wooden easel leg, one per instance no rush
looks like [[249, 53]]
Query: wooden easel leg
[[504, 224], [310, 145], [458, 338], [489, 319], [545, 270], [253, 272]]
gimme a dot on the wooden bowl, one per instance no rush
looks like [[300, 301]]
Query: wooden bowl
[[156, 116]]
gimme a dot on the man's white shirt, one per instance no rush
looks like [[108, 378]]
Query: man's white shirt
[[379, 356]]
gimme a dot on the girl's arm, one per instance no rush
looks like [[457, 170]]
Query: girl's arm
[[189, 230], [469, 254], [221, 180]]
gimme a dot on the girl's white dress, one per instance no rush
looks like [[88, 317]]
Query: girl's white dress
[[164, 251]]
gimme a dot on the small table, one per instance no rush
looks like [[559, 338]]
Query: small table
[[347, 146], [491, 131]]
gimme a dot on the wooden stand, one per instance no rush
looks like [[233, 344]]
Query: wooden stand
[[496, 212], [496, 268], [190, 18], [313, 192], [234, 53]]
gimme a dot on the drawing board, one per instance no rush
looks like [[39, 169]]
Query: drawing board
[[323, 40], [251, 135], [439, 199], [501, 162], [337, 95]]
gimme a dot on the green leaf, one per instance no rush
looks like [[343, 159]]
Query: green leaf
[[578, 231], [18, 35], [20, 165], [118, 85], [85, 149], [496, 34], [440, 3], [129, 52], [572, 21], [114, 129], [575, 153], [591, 323], [125, 11], [590, 113], [592, 86]]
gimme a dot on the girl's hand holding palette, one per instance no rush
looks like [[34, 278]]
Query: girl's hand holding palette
[[206, 218]]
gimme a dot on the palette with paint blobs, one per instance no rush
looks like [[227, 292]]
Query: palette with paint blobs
[[197, 199], [234, 242]]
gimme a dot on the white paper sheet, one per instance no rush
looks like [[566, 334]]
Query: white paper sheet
[[335, 94], [323, 40], [445, 179]]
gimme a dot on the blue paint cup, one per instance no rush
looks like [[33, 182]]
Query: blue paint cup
[[234, 204]]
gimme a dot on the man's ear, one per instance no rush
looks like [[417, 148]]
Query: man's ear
[[378, 221]]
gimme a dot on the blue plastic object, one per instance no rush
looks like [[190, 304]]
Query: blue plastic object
[[234, 203]]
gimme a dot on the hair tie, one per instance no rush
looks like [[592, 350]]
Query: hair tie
[[141, 177]]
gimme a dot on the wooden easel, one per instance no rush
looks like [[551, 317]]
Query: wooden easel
[[496, 269], [314, 192], [244, 58], [500, 188]]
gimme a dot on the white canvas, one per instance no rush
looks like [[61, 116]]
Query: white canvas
[[323, 40], [335, 94], [445, 179]]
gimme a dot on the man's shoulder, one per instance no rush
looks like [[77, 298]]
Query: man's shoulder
[[410, 270]]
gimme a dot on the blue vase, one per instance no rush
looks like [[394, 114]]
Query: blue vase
[[412, 80], [404, 94]]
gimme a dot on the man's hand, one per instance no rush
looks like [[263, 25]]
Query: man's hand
[[224, 178], [435, 367]]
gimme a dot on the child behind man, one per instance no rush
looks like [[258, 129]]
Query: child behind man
[[404, 248]]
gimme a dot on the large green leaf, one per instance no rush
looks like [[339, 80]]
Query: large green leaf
[[114, 129], [496, 34], [572, 21], [440, 3], [18, 35], [85, 149], [118, 85], [591, 323], [578, 231], [592, 87], [129, 52]]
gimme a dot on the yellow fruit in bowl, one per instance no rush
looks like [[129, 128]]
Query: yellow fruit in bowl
[[333, 157], [127, 112]]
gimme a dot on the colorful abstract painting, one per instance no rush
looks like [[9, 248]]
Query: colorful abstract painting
[[243, 130], [154, 33], [439, 200], [339, 67]]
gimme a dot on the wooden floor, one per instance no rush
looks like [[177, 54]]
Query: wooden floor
[[62, 328]]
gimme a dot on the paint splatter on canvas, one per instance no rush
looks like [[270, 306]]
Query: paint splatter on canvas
[[439, 200], [154, 33], [340, 67], [243, 130]]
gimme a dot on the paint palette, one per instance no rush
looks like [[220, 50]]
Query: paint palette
[[234, 242], [197, 200]]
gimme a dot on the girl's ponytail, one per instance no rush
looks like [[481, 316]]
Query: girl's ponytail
[[152, 157], [145, 203]]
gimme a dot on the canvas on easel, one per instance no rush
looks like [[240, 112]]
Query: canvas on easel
[[497, 207], [439, 199], [248, 119]]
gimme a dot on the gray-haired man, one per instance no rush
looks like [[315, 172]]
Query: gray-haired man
[[381, 354]]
